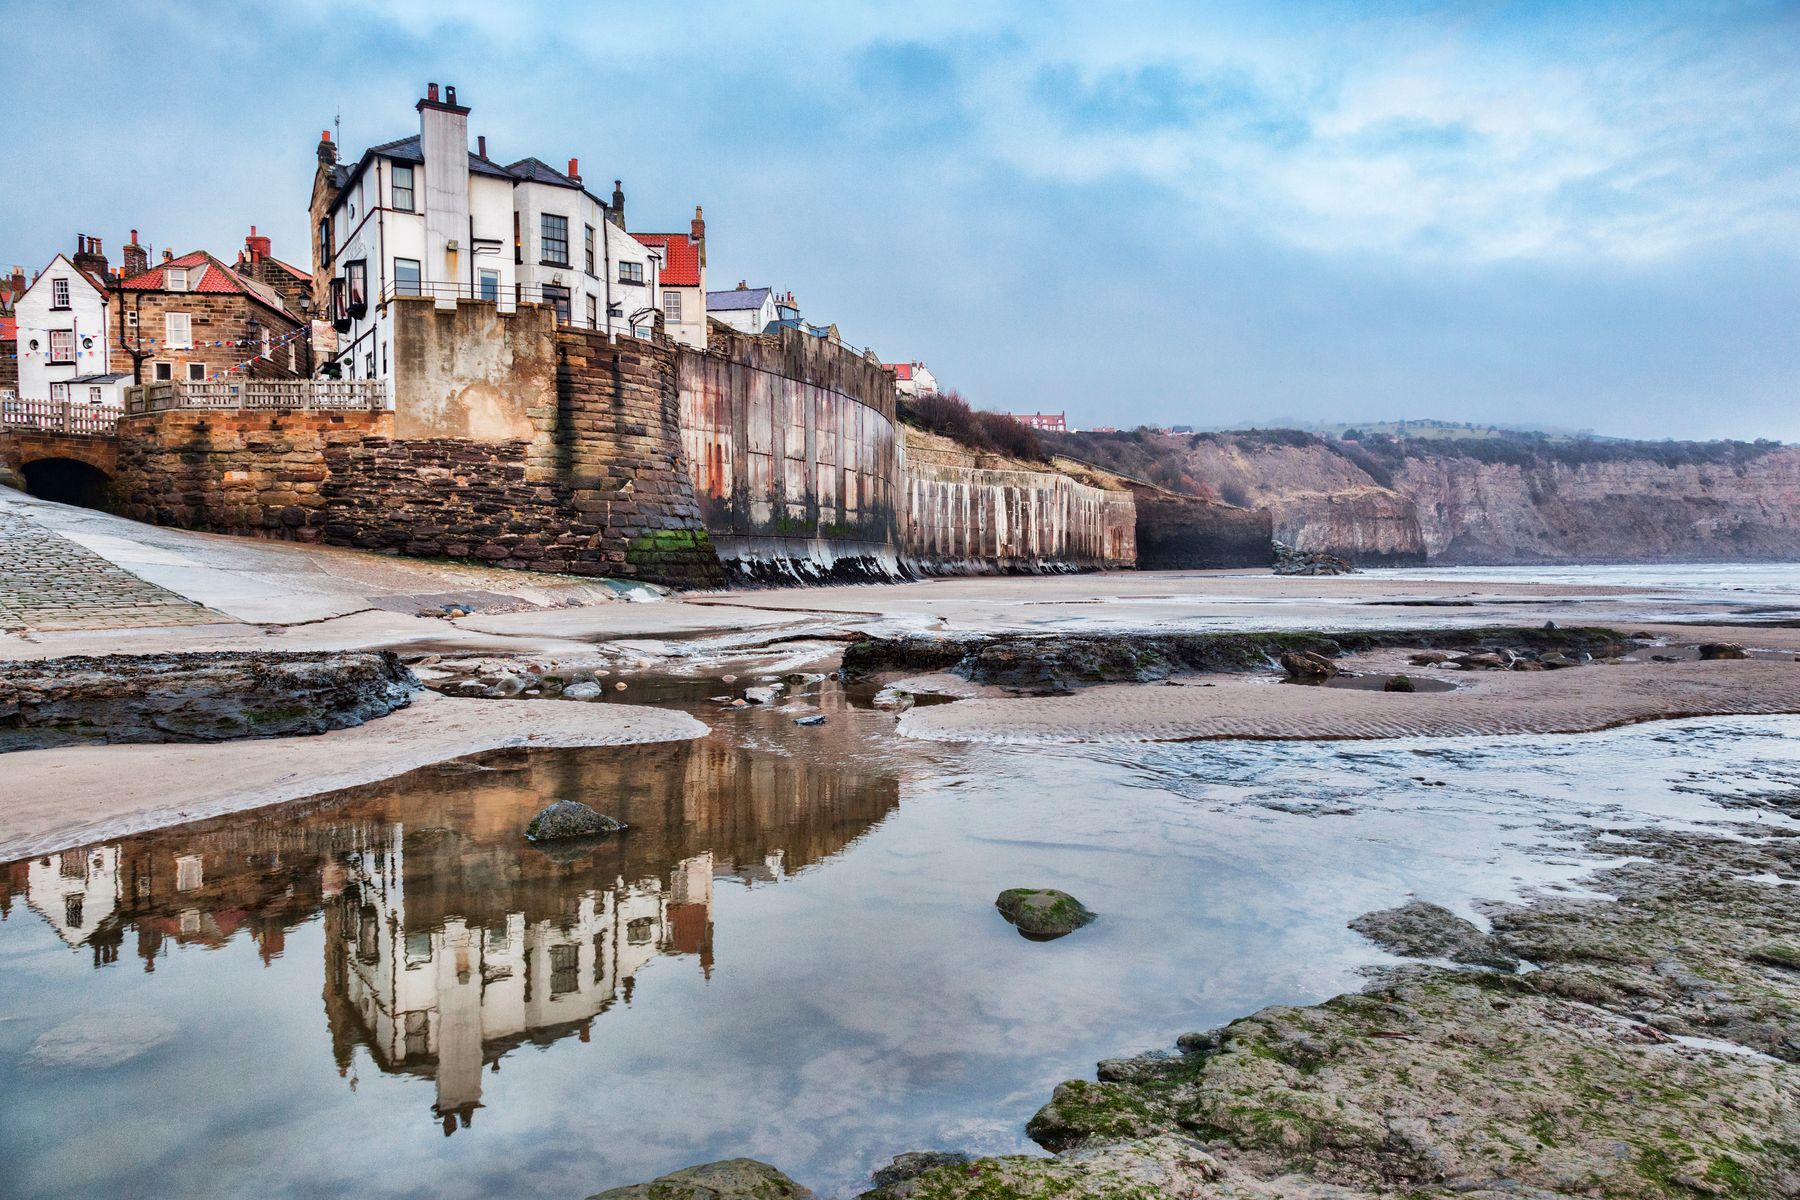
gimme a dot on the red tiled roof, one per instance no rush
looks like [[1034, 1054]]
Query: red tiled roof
[[291, 269], [900, 370], [9, 329], [215, 279], [681, 257]]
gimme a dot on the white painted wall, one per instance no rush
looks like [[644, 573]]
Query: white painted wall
[[85, 319]]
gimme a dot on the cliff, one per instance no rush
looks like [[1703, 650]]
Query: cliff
[[1489, 502]]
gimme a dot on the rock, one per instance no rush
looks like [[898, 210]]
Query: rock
[[1429, 658], [1482, 661], [1307, 665], [1399, 683], [1042, 914], [582, 691], [1556, 662], [619, 686], [732, 1179], [1714, 651], [911, 1166], [815, 719], [570, 819], [195, 697], [508, 684], [1289, 561], [1417, 929], [760, 695]]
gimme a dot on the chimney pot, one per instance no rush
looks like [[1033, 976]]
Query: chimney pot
[[481, 146], [134, 237], [450, 94], [431, 92], [324, 135], [575, 169]]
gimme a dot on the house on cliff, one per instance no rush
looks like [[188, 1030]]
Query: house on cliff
[[744, 308], [428, 216], [682, 286], [913, 379]]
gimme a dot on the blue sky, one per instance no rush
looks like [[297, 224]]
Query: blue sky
[[1580, 216]]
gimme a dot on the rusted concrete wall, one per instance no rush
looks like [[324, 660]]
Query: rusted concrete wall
[[471, 371], [792, 447], [965, 518]]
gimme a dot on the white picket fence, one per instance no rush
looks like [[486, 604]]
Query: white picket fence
[[61, 416], [259, 394]]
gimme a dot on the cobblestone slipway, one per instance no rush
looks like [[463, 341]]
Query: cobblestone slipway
[[49, 582]]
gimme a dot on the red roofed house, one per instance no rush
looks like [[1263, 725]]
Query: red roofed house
[[288, 281], [913, 379], [194, 319], [682, 280]]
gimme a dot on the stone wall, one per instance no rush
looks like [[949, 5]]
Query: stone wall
[[470, 371], [254, 473], [221, 333], [1185, 533], [791, 444]]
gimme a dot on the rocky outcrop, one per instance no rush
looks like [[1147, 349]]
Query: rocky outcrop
[[733, 1179], [195, 697]]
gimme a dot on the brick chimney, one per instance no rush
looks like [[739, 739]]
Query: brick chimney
[[88, 256], [327, 150], [256, 246], [136, 259], [18, 281], [697, 232], [618, 204], [575, 169]]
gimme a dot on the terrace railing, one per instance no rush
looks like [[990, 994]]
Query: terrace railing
[[61, 416], [339, 394]]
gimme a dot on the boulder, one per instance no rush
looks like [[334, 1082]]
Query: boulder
[[732, 1179], [1399, 683], [1480, 662], [570, 819], [582, 691], [1429, 658], [1713, 651], [760, 695], [1289, 561], [1042, 914], [1307, 665], [1418, 929], [910, 1166], [1556, 662]]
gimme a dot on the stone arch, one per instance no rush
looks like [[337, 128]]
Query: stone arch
[[68, 480]]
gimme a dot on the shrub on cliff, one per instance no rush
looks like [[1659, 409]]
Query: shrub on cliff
[[949, 415]]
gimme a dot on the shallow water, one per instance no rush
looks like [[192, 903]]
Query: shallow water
[[792, 954]]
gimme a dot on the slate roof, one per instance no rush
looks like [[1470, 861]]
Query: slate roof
[[681, 260], [536, 170], [736, 299]]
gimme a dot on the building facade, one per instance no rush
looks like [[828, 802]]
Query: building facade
[[744, 308], [682, 295], [913, 379], [61, 331], [194, 319]]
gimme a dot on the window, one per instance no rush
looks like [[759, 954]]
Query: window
[[59, 293], [672, 305], [178, 331], [196, 372], [59, 393], [175, 279], [589, 249], [369, 364], [162, 372], [93, 395], [325, 241], [553, 244], [518, 241], [559, 296], [631, 272], [356, 288], [488, 286], [293, 358], [593, 313], [62, 345], [565, 970], [407, 280], [131, 318], [403, 188]]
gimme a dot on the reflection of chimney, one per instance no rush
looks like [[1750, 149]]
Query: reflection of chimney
[[618, 204], [135, 257], [697, 231], [327, 151]]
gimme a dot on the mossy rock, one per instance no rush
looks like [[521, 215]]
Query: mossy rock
[[568, 819], [1042, 914], [732, 1179]]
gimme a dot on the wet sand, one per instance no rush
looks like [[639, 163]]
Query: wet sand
[[59, 797]]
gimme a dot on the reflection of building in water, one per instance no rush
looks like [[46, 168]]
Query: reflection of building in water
[[448, 939], [450, 998]]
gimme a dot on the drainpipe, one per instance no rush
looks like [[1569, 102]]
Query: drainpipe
[[606, 268]]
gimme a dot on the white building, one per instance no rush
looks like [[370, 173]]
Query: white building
[[428, 216], [682, 292], [75, 891], [913, 379], [744, 308], [62, 342]]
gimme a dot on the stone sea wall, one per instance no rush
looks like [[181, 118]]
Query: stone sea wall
[[792, 448]]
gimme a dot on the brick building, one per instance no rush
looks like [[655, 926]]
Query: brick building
[[289, 282], [194, 319]]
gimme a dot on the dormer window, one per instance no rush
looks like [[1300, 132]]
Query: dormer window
[[175, 279], [59, 293]]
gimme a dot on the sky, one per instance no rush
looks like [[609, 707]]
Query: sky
[[1569, 216]]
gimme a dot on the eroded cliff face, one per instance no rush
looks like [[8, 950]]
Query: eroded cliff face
[[1455, 508], [1636, 510]]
